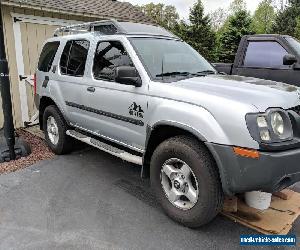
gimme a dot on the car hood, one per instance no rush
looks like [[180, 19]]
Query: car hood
[[262, 94]]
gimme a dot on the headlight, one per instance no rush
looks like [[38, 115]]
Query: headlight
[[277, 124], [270, 127]]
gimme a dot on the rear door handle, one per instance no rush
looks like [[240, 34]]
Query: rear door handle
[[22, 77], [91, 89]]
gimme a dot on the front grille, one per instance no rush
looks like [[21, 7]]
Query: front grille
[[296, 109]]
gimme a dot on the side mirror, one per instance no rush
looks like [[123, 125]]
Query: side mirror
[[128, 75], [297, 66], [289, 59]]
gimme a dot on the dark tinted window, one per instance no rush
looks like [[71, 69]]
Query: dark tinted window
[[265, 55], [73, 58], [109, 55], [47, 56]]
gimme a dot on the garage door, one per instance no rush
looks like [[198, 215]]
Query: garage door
[[30, 33]]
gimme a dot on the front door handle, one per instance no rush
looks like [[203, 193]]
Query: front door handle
[[91, 89]]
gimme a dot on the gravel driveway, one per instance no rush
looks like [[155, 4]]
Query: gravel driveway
[[90, 200]]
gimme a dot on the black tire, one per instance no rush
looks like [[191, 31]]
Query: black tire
[[65, 142], [196, 155]]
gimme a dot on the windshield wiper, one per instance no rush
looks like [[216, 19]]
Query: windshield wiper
[[177, 73], [207, 72]]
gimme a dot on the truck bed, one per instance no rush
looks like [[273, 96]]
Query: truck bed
[[224, 67]]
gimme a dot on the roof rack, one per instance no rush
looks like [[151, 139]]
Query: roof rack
[[113, 27], [107, 27]]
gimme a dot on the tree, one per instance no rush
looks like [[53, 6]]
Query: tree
[[264, 17], [170, 17], [218, 18], [153, 10], [280, 5], [286, 20], [237, 6], [199, 32], [239, 24], [164, 15], [297, 29], [181, 30], [293, 2]]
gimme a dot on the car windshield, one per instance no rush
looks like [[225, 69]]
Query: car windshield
[[294, 43], [166, 59]]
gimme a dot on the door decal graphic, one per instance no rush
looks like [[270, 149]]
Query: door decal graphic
[[136, 110]]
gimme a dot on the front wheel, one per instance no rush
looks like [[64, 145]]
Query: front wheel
[[55, 128], [186, 182]]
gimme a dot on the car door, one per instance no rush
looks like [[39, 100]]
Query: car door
[[117, 112], [264, 59], [71, 79], [43, 72]]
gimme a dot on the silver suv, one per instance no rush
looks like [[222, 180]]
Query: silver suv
[[140, 93]]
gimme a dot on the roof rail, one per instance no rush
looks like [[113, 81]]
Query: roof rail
[[107, 27], [113, 27]]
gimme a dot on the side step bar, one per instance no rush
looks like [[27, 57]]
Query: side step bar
[[106, 147]]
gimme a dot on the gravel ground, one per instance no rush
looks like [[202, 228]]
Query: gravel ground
[[40, 151]]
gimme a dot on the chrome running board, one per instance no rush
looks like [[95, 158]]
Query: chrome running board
[[106, 147]]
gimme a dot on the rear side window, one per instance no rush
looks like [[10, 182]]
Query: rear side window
[[47, 56], [110, 55], [265, 55], [74, 57]]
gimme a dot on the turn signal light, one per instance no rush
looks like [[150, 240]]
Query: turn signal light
[[249, 153]]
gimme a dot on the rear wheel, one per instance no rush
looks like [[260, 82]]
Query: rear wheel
[[55, 128], [186, 182]]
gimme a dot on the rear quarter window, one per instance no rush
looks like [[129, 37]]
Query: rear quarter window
[[47, 56]]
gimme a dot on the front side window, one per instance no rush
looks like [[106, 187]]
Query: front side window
[[47, 56], [265, 55], [164, 58], [74, 57], [108, 56]]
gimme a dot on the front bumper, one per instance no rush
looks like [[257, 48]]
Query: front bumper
[[272, 172]]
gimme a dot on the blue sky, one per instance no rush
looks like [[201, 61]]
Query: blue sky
[[184, 5]]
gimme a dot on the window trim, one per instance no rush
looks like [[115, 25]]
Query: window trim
[[257, 67], [93, 62], [85, 68], [56, 52]]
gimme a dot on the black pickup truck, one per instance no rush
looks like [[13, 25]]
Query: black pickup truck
[[271, 57]]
